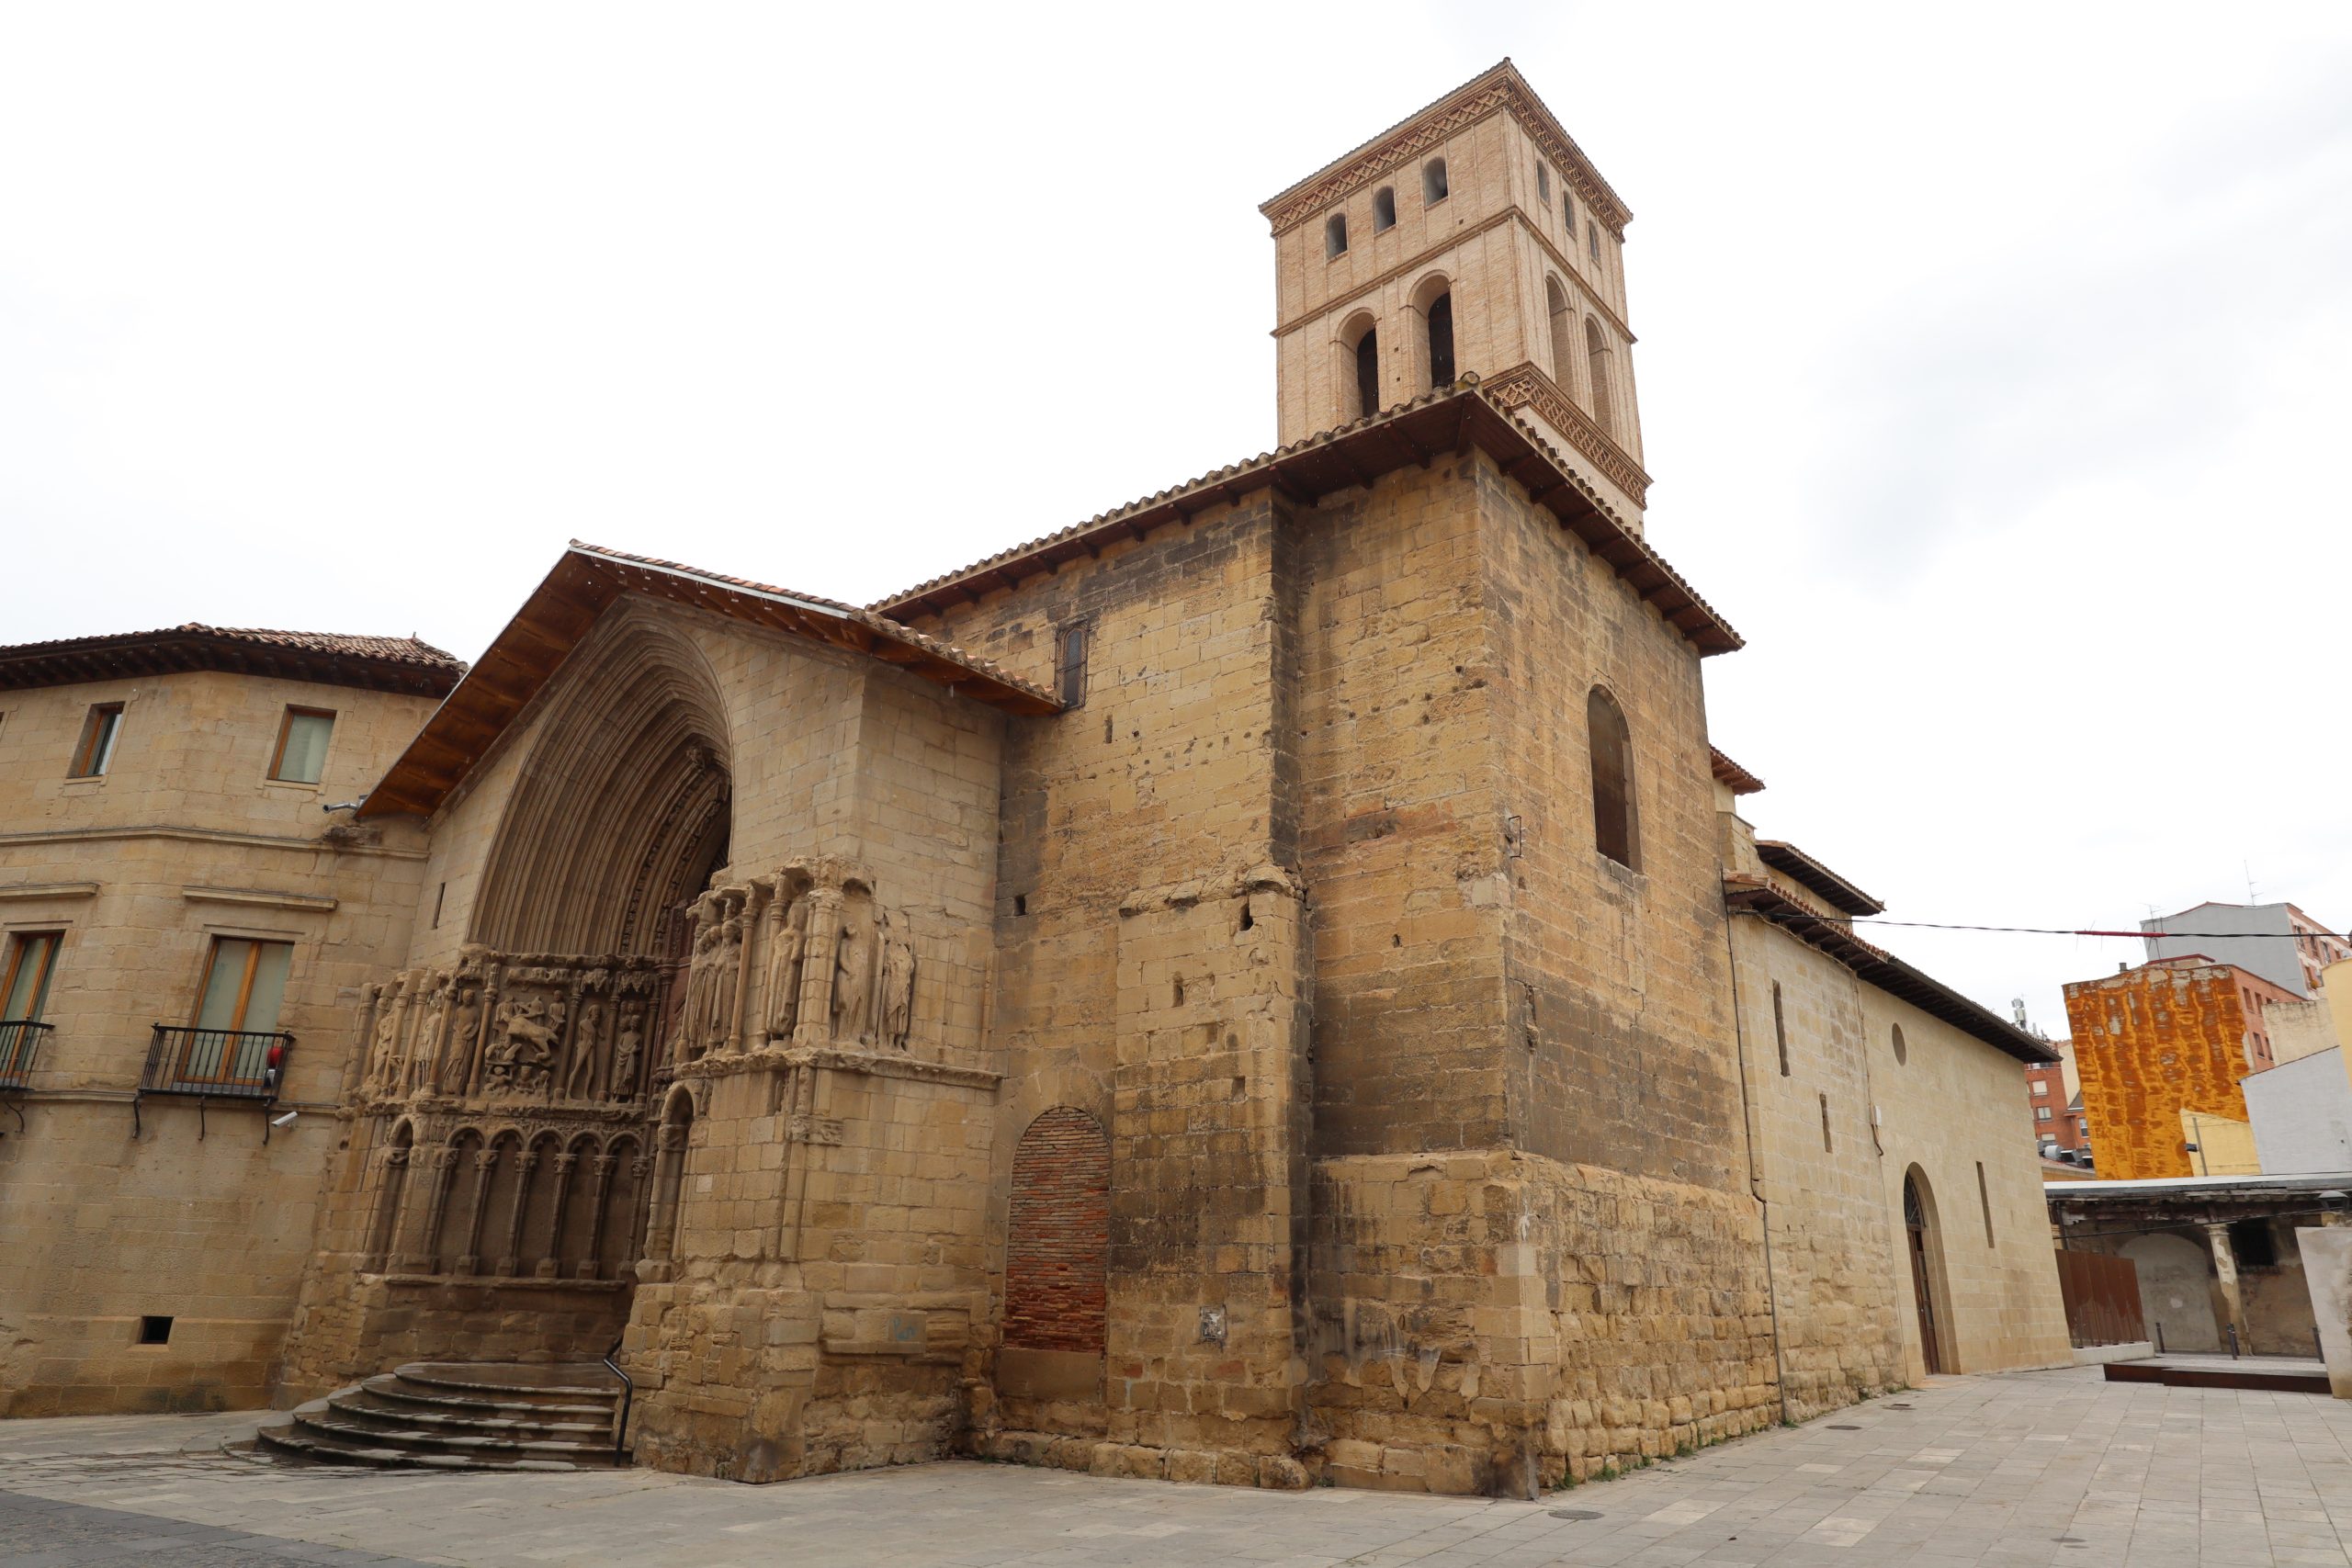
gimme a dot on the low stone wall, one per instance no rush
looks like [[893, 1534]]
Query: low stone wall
[[1491, 1322], [353, 1325]]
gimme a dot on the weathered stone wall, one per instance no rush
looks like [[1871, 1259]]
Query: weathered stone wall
[[184, 840], [1150, 941], [1492, 1321], [1840, 1273], [828, 1276]]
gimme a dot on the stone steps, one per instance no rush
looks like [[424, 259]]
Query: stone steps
[[452, 1416]]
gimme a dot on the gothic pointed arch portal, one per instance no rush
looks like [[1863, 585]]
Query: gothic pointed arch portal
[[623, 808]]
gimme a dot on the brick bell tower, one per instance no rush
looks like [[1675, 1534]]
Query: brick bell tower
[[1473, 239]]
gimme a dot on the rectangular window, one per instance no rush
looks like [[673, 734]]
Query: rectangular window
[[1826, 1147], [2041, 1112], [245, 986], [1985, 1199], [95, 753], [24, 991], [2040, 1087], [302, 746], [1069, 664]]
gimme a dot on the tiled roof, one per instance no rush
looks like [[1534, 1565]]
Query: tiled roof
[[1352, 455], [586, 582], [381, 663], [1727, 772], [869, 619]]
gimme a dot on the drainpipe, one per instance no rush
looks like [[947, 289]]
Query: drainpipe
[[1755, 1171]]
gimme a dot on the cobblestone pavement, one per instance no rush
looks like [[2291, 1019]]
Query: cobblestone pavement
[[2048, 1467]]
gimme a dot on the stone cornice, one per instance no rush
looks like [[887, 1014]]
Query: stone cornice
[[1526, 386], [1500, 91], [259, 899], [841, 1058], [49, 890], [205, 836]]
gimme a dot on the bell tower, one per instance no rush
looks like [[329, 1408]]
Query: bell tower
[[1473, 239]]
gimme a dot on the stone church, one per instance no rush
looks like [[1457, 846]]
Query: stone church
[[1269, 985]]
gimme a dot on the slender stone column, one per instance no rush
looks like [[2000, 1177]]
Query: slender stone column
[[485, 1165], [822, 941], [601, 1167], [526, 1162], [551, 1266], [747, 924], [639, 1170], [391, 1189], [480, 1052], [420, 1223], [2225, 1267]]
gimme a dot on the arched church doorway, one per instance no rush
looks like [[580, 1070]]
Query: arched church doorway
[[1922, 1246]]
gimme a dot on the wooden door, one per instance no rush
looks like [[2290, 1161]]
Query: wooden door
[[1914, 1229]]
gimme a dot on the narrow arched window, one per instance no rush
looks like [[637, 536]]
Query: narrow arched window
[[1440, 323], [1568, 215], [1563, 334], [1335, 236], [1544, 183], [1592, 240], [1780, 1029], [1383, 209], [1615, 831], [1596, 349], [1368, 373], [1433, 188]]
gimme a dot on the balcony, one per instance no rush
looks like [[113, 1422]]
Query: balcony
[[235, 1064], [20, 1041]]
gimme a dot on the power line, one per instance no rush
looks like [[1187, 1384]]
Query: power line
[[2035, 931]]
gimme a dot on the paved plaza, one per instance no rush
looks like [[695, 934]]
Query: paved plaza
[[2037, 1468]]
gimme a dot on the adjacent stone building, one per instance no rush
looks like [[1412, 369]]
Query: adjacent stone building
[[175, 907], [1269, 983]]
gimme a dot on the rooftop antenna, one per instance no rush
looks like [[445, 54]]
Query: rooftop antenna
[[2248, 868]]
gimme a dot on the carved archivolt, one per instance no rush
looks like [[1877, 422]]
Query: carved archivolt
[[532, 1027], [806, 955]]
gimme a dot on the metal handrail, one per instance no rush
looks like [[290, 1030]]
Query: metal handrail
[[20, 1041], [628, 1395], [219, 1063]]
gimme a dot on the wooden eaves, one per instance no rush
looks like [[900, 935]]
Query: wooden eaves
[[1882, 970]]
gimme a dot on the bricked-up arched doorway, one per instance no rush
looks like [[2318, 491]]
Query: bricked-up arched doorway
[[1057, 1244]]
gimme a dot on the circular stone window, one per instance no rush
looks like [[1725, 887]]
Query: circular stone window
[[1902, 1053]]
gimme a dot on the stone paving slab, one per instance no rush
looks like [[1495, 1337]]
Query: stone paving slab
[[2048, 1470]]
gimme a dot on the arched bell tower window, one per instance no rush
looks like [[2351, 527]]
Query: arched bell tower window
[[1433, 186], [1383, 209], [1563, 334], [1596, 349], [1615, 829], [1335, 236], [1361, 359], [1441, 321]]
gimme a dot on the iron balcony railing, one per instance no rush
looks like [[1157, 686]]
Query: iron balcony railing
[[20, 1041], [217, 1064]]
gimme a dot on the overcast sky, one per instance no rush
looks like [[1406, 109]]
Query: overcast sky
[[1994, 361]]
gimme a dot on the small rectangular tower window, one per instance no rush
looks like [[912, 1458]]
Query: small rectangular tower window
[[302, 746], [95, 753], [155, 1331]]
